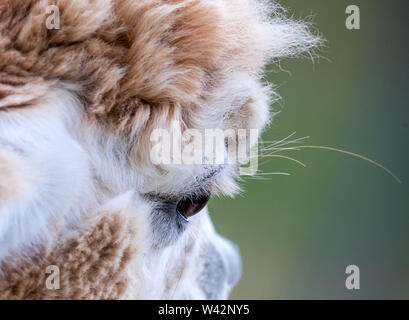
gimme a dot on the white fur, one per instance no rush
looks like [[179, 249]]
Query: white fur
[[54, 170]]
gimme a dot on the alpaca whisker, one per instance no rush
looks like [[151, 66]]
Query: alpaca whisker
[[258, 178], [272, 173], [278, 146], [345, 152], [289, 158]]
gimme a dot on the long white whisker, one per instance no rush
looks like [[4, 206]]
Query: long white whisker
[[289, 158], [273, 173], [289, 136]]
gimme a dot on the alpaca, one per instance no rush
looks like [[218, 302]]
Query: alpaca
[[78, 106]]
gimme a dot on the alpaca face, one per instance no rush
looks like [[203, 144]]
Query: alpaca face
[[80, 107], [61, 166]]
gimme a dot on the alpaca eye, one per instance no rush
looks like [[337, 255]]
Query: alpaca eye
[[190, 206]]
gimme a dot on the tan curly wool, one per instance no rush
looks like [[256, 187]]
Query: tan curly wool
[[134, 64], [127, 51], [92, 265]]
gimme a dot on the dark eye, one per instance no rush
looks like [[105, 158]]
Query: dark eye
[[190, 206]]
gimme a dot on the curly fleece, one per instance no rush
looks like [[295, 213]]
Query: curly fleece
[[92, 265], [134, 63]]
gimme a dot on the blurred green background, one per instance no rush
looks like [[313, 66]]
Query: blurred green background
[[298, 233]]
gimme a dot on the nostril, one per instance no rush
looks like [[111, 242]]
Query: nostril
[[190, 206]]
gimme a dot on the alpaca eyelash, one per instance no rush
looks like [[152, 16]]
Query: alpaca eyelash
[[170, 200]]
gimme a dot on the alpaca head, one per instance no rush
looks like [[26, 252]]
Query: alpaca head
[[84, 105]]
